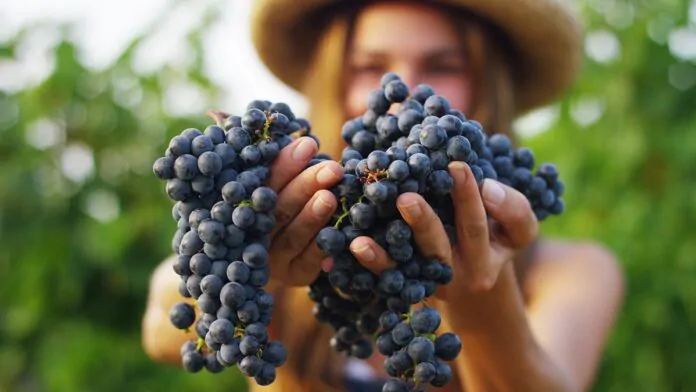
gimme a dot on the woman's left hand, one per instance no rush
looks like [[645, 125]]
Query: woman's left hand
[[483, 246]]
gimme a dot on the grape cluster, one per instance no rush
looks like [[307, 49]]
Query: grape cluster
[[224, 216], [389, 154]]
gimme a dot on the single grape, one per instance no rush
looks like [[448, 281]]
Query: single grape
[[447, 346], [182, 315], [193, 361], [186, 167], [180, 145], [263, 199], [164, 168], [331, 241], [396, 91], [201, 144], [238, 138], [425, 320]]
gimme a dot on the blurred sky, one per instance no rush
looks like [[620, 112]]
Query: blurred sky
[[105, 27]]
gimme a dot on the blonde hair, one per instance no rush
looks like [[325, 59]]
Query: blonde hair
[[489, 58], [312, 365]]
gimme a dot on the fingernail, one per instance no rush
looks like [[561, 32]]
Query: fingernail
[[328, 174], [493, 192], [327, 264], [321, 206], [458, 170], [304, 150], [458, 166], [365, 253], [411, 211]]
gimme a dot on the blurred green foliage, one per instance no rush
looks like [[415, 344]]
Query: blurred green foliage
[[83, 221]]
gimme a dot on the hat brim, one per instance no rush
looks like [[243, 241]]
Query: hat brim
[[546, 36]]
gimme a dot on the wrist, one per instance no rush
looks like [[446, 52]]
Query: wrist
[[495, 310]]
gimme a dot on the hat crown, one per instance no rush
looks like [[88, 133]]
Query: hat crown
[[546, 36]]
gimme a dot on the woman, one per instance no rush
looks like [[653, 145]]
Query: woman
[[533, 315]]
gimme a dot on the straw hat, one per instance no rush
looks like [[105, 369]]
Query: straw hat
[[546, 34]]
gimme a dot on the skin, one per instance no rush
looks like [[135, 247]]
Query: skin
[[545, 333]]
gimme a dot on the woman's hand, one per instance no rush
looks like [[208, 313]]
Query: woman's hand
[[303, 208], [483, 245]]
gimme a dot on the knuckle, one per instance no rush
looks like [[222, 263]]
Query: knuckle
[[527, 228], [533, 231], [376, 265], [481, 284], [441, 253], [427, 222], [308, 223], [304, 266], [283, 245], [516, 207], [430, 221], [447, 256], [301, 189], [305, 184], [282, 216], [519, 210], [475, 230], [321, 206], [304, 270], [308, 185]]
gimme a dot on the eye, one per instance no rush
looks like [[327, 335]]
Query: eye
[[367, 69], [445, 69]]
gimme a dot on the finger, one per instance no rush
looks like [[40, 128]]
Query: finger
[[327, 264], [291, 161], [305, 268], [301, 231], [472, 228], [371, 255], [297, 193], [428, 231], [515, 221], [501, 254]]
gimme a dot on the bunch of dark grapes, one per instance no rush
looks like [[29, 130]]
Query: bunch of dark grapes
[[387, 155], [224, 215]]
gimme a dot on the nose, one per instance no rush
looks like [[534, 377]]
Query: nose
[[409, 74]]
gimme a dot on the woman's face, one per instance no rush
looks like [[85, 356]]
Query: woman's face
[[415, 41]]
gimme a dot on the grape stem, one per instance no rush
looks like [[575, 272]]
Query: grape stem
[[266, 127], [344, 214], [238, 332], [374, 176], [200, 344], [345, 210], [408, 317], [218, 116]]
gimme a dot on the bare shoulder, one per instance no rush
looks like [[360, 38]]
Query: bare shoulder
[[164, 284], [574, 292], [586, 263], [160, 340]]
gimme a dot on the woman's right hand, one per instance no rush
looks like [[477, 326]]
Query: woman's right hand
[[303, 208]]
